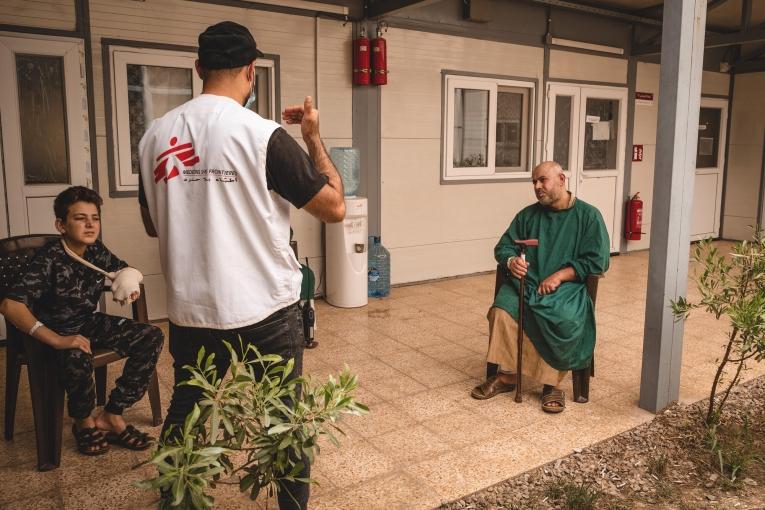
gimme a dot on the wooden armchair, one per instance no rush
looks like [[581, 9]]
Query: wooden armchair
[[47, 393], [580, 378]]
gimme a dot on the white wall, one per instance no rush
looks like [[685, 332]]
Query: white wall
[[173, 22], [55, 14], [646, 117], [745, 156], [435, 230], [582, 66]]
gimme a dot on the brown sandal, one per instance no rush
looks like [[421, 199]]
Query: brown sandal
[[553, 399], [491, 387]]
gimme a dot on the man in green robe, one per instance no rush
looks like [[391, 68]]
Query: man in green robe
[[559, 320]]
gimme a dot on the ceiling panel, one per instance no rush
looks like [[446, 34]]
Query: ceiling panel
[[728, 15], [628, 5]]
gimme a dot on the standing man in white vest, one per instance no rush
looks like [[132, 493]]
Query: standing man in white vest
[[216, 182]]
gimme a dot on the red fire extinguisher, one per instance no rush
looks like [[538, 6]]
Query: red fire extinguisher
[[361, 70], [633, 223], [379, 59]]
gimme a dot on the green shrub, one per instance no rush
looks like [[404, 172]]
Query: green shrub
[[243, 427], [734, 288]]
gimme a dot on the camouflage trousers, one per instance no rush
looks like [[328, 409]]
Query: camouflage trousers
[[139, 343]]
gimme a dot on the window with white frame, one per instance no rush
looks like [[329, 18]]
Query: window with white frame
[[487, 127], [146, 84]]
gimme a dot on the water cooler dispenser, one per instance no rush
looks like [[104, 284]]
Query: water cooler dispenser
[[346, 242], [347, 256]]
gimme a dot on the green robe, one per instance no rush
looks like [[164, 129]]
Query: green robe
[[561, 325]]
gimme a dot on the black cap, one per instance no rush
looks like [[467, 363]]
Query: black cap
[[227, 45]]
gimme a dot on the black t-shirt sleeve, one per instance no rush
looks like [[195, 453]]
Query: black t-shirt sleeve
[[107, 260], [289, 170], [36, 280], [141, 193]]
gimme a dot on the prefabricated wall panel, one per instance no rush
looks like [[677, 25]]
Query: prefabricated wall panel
[[290, 37], [646, 118], [435, 230], [49, 14], [644, 133], [745, 156], [586, 67]]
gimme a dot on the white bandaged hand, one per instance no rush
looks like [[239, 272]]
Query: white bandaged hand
[[126, 285]]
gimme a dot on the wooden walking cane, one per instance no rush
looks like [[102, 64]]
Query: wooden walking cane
[[522, 245]]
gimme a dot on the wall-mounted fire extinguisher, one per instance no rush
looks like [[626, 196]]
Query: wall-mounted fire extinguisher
[[633, 224], [361, 68], [379, 58]]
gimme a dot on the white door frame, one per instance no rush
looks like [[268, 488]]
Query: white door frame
[[125, 179], [563, 89], [721, 104], [577, 176], [17, 192]]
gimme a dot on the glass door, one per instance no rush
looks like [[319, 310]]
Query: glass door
[[586, 130], [710, 162], [563, 128], [43, 115]]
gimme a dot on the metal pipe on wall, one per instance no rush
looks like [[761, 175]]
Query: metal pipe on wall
[[316, 61]]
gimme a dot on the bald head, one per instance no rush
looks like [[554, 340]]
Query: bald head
[[550, 185], [548, 167]]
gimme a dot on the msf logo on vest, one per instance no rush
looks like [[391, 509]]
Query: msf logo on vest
[[170, 161]]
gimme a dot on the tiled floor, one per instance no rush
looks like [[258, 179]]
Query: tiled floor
[[417, 354]]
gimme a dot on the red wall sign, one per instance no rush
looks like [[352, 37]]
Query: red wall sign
[[637, 153], [644, 98]]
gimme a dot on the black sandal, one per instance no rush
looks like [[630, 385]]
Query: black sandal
[[130, 438], [90, 441]]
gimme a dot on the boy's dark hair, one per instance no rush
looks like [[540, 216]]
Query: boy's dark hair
[[69, 196]]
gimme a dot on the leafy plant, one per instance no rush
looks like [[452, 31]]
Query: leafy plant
[[245, 427], [734, 288], [732, 454], [554, 491], [657, 466], [573, 496]]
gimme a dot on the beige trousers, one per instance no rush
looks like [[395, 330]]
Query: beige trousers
[[503, 349]]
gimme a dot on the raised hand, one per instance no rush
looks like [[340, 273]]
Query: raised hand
[[305, 115]]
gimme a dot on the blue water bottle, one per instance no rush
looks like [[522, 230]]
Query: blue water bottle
[[378, 269]]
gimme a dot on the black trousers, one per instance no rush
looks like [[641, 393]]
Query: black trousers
[[140, 343], [281, 333]]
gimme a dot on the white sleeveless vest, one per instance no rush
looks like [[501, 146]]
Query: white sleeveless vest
[[223, 236]]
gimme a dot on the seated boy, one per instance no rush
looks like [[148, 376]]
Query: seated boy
[[55, 302]]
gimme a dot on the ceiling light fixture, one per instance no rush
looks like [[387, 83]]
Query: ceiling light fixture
[[557, 41]]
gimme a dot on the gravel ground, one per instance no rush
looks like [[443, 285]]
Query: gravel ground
[[664, 464]]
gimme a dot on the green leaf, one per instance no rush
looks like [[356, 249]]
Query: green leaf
[[191, 420], [246, 482], [255, 491], [279, 428]]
